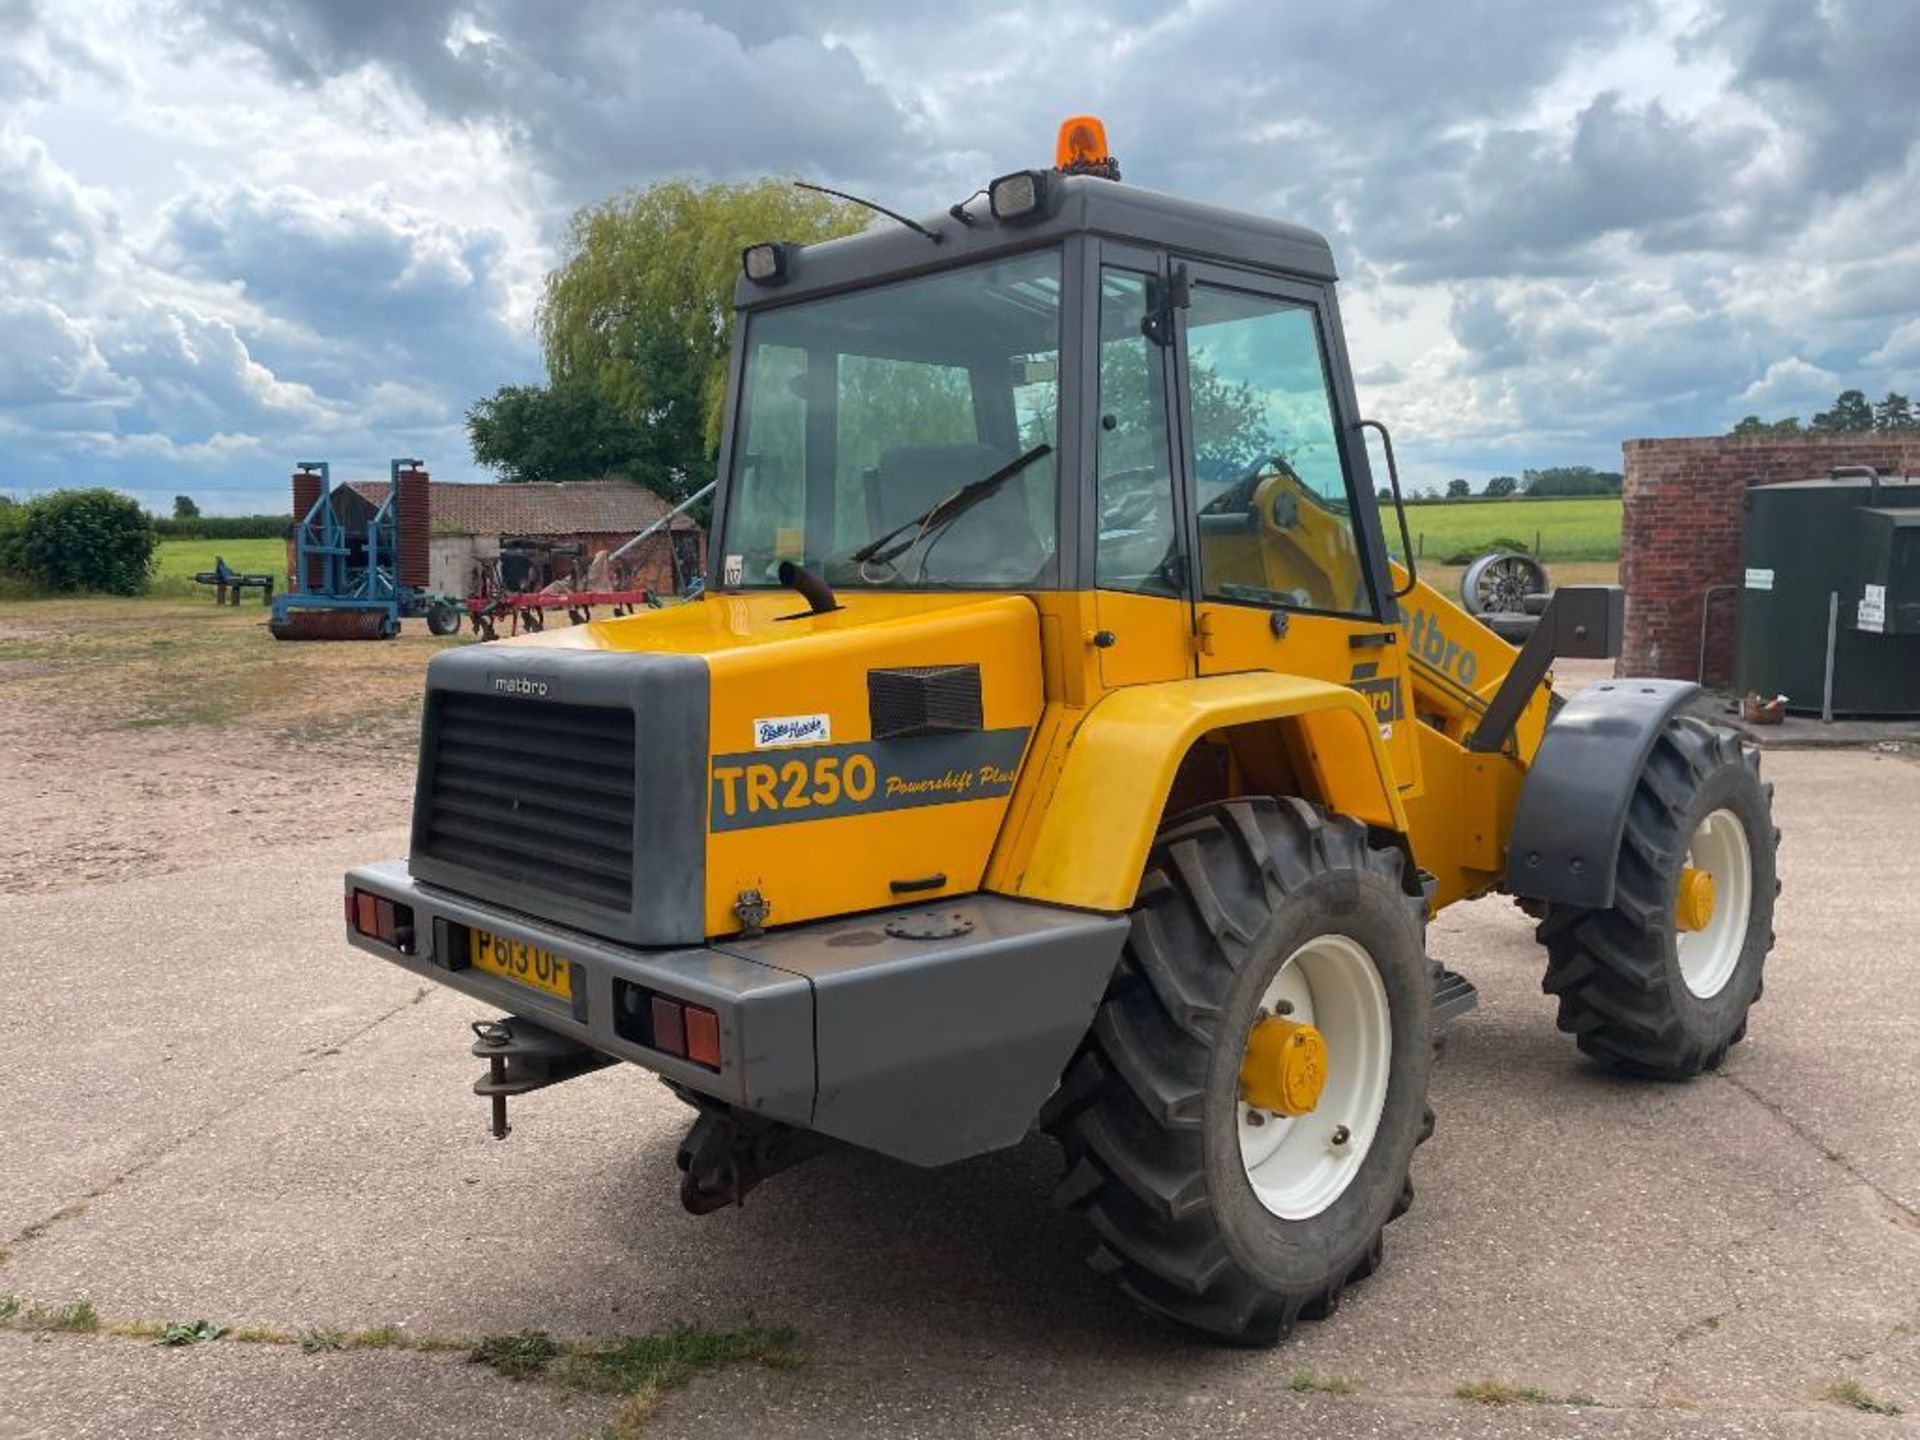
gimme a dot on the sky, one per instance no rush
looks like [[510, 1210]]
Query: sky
[[238, 234]]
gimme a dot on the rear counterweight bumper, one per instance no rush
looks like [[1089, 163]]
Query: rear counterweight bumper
[[928, 1050]]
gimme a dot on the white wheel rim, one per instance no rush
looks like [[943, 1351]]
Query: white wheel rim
[[1709, 956], [1300, 1166]]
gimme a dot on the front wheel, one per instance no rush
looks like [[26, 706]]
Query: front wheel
[[1239, 1122], [1659, 983]]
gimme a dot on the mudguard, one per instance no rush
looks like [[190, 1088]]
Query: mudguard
[[1565, 842], [1102, 814]]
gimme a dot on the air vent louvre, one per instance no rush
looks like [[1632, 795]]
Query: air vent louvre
[[924, 700]]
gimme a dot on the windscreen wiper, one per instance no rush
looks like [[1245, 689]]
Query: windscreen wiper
[[945, 510]]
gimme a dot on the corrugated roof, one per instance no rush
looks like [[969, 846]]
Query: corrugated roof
[[580, 507]]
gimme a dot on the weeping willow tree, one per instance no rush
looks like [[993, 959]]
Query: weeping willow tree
[[640, 309]]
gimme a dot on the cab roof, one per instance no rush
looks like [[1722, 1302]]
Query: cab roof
[[1075, 205]]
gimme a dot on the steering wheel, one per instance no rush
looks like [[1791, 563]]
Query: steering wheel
[[1130, 510]]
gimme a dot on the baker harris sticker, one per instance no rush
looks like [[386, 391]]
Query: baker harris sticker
[[792, 730], [820, 781]]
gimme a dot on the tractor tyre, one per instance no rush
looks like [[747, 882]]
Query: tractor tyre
[[1234, 1220], [1659, 983]]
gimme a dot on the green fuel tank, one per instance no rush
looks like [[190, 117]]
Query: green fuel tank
[[1854, 535]]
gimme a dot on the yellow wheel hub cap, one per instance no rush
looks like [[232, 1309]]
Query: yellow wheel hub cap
[[1693, 904], [1284, 1068]]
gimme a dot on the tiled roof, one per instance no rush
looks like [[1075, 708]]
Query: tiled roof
[[582, 507]]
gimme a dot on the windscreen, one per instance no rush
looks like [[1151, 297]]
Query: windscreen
[[903, 435]]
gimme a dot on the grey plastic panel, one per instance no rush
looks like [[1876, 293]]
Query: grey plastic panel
[[766, 1016], [1077, 205], [668, 697], [1567, 828], [932, 1051]]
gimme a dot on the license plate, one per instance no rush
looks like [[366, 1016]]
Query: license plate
[[530, 965]]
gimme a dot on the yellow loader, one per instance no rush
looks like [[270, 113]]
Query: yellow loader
[[1057, 745]]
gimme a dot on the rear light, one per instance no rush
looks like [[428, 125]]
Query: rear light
[[703, 1037], [669, 1025], [673, 1027], [378, 918]]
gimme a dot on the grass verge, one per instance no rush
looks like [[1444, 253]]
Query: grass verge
[[1505, 1392], [1306, 1382], [1855, 1396], [641, 1368]]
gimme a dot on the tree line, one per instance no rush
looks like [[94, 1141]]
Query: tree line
[[1851, 411], [1550, 482]]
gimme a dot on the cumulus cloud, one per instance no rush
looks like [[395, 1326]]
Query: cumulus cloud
[[50, 366], [611, 93], [1790, 386], [46, 219], [354, 287], [319, 224]]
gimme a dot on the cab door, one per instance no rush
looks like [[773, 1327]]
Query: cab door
[[1143, 610], [1289, 571]]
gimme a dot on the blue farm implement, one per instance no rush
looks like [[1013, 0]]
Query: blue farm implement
[[358, 566]]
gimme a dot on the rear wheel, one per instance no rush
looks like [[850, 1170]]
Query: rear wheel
[[1239, 1122], [1659, 983]]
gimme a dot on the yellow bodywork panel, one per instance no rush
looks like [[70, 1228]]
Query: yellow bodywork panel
[[805, 805], [1098, 817], [1091, 702], [1459, 817]]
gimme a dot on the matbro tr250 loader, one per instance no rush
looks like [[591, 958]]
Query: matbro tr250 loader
[[1058, 746]]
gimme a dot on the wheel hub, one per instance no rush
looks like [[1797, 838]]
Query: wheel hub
[[1693, 903], [1284, 1068]]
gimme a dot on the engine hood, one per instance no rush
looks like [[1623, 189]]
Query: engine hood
[[852, 760]]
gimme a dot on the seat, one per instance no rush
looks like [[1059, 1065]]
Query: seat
[[993, 542]]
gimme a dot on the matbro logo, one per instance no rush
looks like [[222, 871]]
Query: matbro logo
[[532, 687]]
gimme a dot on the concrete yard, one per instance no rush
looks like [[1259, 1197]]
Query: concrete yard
[[215, 1109]]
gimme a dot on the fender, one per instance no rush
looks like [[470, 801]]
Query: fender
[[1106, 805], [1565, 842]]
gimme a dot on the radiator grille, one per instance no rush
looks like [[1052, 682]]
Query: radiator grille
[[537, 793]]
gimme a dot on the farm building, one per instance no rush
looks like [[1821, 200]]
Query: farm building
[[469, 522]]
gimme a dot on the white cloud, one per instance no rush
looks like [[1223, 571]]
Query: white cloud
[[1791, 386], [231, 230]]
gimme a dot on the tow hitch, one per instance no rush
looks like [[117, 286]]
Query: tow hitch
[[522, 1057], [727, 1153]]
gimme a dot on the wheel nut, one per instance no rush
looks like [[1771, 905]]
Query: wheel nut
[[1254, 1117], [1341, 1134], [1283, 1007]]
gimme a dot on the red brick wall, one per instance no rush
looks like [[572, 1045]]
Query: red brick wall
[[1680, 533]]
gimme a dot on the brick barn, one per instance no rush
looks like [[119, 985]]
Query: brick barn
[[469, 521]]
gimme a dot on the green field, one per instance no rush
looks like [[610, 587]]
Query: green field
[[178, 561], [1565, 529]]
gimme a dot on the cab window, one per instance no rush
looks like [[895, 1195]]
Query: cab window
[[1274, 505], [1137, 545]]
